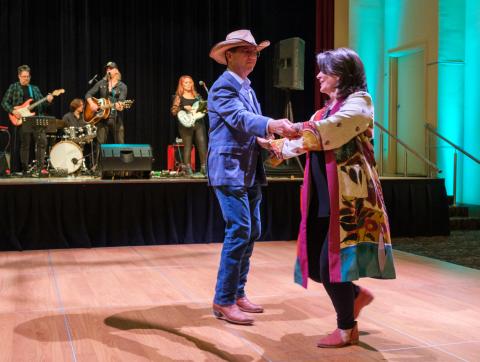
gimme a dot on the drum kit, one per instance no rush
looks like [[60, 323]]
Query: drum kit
[[67, 155]]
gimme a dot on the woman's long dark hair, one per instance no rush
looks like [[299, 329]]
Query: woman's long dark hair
[[347, 66]]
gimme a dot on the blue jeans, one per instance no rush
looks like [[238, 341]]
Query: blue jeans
[[241, 211]]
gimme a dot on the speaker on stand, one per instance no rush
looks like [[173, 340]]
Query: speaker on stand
[[288, 75]]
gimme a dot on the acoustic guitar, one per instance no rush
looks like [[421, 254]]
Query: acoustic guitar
[[104, 109]]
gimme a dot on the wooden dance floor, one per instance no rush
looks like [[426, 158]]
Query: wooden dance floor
[[152, 303]]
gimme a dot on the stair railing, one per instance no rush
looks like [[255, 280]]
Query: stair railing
[[457, 148], [407, 149]]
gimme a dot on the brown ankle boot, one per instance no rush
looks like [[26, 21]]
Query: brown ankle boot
[[231, 313]]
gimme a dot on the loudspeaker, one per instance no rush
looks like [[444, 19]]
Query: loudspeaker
[[126, 160], [289, 64]]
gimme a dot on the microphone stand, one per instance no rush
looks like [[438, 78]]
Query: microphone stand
[[115, 119], [202, 83]]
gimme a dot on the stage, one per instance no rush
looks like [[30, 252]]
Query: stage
[[153, 303], [75, 212]]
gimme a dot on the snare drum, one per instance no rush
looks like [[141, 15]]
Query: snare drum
[[66, 155], [72, 133], [89, 132]]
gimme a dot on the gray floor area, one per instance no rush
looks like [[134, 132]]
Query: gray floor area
[[462, 247]]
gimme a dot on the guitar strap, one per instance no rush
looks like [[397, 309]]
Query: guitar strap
[[112, 99], [30, 91]]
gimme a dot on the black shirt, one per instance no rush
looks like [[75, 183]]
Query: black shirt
[[72, 121], [320, 183], [26, 92]]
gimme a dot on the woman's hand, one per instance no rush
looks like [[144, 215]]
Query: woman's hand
[[264, 143]]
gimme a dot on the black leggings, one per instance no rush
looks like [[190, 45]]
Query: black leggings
[[341, 294], [187, 134]]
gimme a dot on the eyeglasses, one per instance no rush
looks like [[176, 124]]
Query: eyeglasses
[[248, 52]]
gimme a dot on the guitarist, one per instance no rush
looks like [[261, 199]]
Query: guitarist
[[110, 87], [185, 96], [17, 94]]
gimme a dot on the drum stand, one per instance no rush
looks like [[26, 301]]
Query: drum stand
[[84, 169]]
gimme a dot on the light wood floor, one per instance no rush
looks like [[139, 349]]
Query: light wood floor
[[152, 303]]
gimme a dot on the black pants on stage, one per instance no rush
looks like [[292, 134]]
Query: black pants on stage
[[40, 140], [113, 126], [187, 134], [342, 294]]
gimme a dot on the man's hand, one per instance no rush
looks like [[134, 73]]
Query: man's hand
[[93, 105], [16, 114], [119, 106], [49, 98], [283, 127]]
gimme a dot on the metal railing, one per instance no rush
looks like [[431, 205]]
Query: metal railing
[[433, 131], [407, 149]]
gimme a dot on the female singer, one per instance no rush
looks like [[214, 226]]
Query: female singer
[[185, 100]]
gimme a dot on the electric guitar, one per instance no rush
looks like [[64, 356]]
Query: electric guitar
[[104, 109], [188, 119], [25, 109]]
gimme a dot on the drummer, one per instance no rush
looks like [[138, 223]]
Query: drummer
[[74, 118]]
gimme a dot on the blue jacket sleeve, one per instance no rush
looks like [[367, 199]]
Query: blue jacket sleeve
[[230, 108]]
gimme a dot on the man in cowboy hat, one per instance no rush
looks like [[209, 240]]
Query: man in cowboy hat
[[235, 168]]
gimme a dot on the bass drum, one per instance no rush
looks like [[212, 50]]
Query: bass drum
[[66, 155]]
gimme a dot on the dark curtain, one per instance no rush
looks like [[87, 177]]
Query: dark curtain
[[416, 207], [74, 215], [324, 31], [66, 42]]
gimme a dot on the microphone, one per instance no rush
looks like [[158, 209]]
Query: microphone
[[93, 79], [202, 83]]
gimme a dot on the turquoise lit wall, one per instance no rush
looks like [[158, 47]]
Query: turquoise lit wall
[[448, 32], [366, 38], [451, 76], [471, 124]]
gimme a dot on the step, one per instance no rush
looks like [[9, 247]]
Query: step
[[459, 211], [464, 223]]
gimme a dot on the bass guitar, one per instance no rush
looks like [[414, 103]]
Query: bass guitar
[[25, 109], [104, 109]]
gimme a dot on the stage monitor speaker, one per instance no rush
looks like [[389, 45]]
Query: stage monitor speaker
[[289, 64], [126, 160]]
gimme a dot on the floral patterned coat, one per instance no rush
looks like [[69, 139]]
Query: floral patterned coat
[[359, 243]]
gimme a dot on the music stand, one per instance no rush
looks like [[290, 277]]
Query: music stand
[[50, 124]]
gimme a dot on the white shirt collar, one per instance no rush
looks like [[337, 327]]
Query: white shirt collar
[[245, 83]]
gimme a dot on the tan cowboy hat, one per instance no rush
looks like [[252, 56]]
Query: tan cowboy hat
[[234, 39]]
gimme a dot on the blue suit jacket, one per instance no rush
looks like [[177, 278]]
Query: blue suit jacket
[[234, 157]]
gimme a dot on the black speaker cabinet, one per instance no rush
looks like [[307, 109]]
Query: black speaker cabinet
[[125, 160], [289, 64]]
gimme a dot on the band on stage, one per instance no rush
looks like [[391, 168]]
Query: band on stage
[[40, 145]]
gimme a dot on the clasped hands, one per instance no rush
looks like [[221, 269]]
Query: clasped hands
[[282, 127]]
